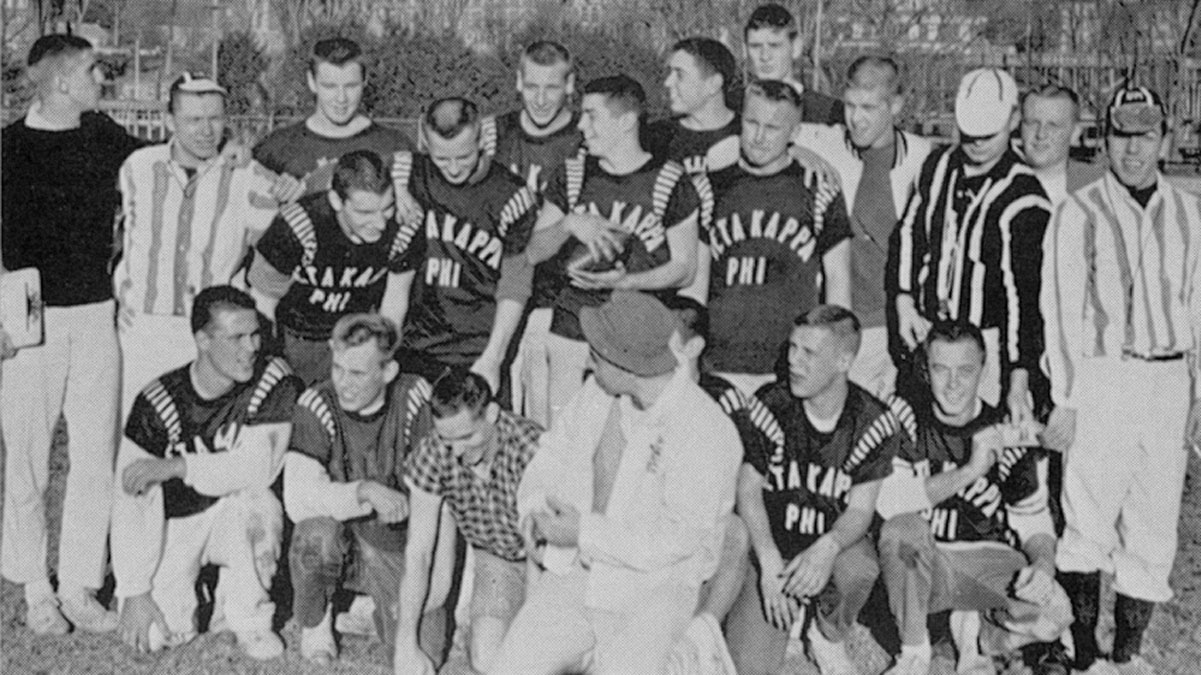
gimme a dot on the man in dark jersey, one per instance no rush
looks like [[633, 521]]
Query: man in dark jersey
[[809, 501], [778, 247], [344, 487], [773, 44], [533, 141], [464, 279], [59, 197], [969, 525], [702, 133], [629, 221], [328, 255], [202, 446], [308, 150]]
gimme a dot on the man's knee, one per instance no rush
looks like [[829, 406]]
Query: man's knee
[[904, 537], [316, 546], [737, 541]]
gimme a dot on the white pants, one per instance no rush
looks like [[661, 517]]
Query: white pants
[[151, 346], [873, 368], [74, 373], [241, 533], [568, 360], [530, 372], [1124, 474]]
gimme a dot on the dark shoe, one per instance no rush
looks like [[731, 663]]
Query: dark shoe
[[1047, 658]]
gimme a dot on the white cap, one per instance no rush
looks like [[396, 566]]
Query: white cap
[[986, 99]]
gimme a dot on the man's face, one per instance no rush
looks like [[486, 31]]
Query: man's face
[[770, 53], [1047, 125], [984, 151], [360, 375], [364, 214], [1134, 158], [230, 344], [954, 369], [198, 124], [871, 115], [767, 128], [687, 86], [456, 158], [467, 433], [339, 90], [544, 89], [599, 124], [815, 360], [82, 80]]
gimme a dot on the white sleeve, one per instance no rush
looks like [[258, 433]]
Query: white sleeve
[[138, 529], [310, 493], [253, 462], [903, 491]]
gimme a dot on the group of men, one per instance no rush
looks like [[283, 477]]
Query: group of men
[[655, 397]]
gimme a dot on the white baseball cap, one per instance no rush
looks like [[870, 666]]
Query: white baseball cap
[[986, 99]]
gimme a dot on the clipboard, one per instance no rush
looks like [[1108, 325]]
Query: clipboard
[[21, 307]]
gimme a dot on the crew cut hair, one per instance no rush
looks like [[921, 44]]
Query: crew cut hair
[[952, 332], [353, 330], [547, 53], [774, 91], [622, 93], [840, 321], [1052, 91], [712, 58], [50, 54], [215, 299], [460, 389], [873, 70], [361, 170], [448, 117], [336, 51]]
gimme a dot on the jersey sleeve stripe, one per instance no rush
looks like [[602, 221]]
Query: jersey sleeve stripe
[[665, 184], [312, 400], [302, 227], [276, 370], [518, 205], [575, 180], [881, 428], [164, 406]]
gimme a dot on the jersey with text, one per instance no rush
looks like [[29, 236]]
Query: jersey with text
[[748, 414], [699, 151], [301, 152], [373, 447], [170, 419], [766, 241], [808, 474], [331, 276], [456, 252], [980, 511], [644, 204]]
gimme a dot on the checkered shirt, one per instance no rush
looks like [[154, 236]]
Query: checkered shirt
[[484, 509]]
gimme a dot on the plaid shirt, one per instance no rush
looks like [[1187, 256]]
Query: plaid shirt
[[484, 509]]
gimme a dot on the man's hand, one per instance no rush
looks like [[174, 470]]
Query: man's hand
[[913, 326], [1192, 429], [1034, 584], [604, 240], [488, 368], [138, 613], [779, 608], [408, 211], [410, 660], [807, 574], [560, 526], [815, 167], [7, 350], [124, 316], [1020, 403], [535, 545], [143, 474], [237, 152], [1060, 432], [391, 506], [287, 189], [986, 448], [609, 279]]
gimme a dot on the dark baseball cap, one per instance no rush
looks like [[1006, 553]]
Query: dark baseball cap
[[1135, 110]]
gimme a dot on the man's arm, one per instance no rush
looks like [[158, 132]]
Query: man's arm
[[809, 572], [836, 270], [254, 461], [906, 258], [1023, 226], [397, 294], [678, 272], [309, 492], [429, 522], [504, 325], [1061, 301]]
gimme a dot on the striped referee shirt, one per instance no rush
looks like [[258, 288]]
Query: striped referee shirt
[[1119, 278], [182, 233], [981, 265]]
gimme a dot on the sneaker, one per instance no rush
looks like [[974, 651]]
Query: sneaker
[[359, 619], [317, 645], [1137, 665], [701, 650], [831, 657], [261, 645], [85, 612], [910, 664], [1047, 658], [43, 618], [159, 640]]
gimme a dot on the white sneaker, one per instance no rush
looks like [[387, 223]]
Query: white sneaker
[[910, 664], [317, 645], [261, 645], [43, 618], [831, 657], [86, 613], [701, 650], [359, 618]]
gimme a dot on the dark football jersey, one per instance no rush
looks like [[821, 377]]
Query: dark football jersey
[[169, 419], [301, 152], [534, 158], [372, 447], [809, 473], [748, 413], [645, 203], [696, 150], [766, 241], [456, 252], [331, 275], [979, 512]]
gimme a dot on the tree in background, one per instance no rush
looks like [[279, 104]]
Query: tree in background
[[241, 62]]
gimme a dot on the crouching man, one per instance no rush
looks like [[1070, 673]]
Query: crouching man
[[344, 485], [968, 526], [202, 446]]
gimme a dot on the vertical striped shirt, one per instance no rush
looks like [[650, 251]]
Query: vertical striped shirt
[[1119, 279], [183, 234]]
